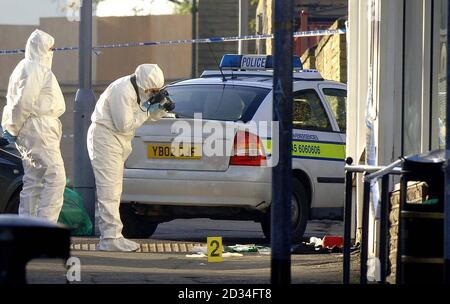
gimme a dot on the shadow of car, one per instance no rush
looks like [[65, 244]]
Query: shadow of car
[[73, 213], [11, 172]]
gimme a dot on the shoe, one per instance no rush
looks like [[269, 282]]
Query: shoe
[[119, 244]]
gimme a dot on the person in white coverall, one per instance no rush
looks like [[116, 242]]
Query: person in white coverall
[[34, 103], [116, 116]]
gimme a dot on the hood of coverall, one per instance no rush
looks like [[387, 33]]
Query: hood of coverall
[[38, 48], [149, 76]]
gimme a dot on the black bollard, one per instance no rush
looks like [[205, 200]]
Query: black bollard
[[23, 239]]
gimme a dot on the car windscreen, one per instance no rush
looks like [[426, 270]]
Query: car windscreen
[[217, 102]]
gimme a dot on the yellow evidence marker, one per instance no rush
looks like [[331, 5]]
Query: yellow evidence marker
[[214, 249]]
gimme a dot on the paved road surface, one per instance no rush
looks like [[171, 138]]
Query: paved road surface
[[233, 231], [176, 268]]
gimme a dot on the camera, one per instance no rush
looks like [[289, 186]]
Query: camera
[[163, 98]]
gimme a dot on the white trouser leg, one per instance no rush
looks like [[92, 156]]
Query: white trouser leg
[[108, 201], [45, 177], [106, 154], [52, 195], [32, 187], [107, 157]]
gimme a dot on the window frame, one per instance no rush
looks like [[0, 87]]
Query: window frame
[[322, 88], [323, 106], [333, 85]]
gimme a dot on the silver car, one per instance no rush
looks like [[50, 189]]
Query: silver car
[[161, 184]]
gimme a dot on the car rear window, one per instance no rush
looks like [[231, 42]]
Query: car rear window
[[217, 102]]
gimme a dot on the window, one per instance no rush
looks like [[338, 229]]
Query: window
[[309, 113], [217, 102], [439, 92], [337, 99], [415, 53]]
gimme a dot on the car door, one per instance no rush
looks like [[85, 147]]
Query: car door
[[11, 172], [319, 150]]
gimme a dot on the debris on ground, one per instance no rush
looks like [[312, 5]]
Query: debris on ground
[[263, 250], [242, 248], [231, 254], [196, 255], [249, 248], [314, 241], [230, 251], [200, 250], [329, 244]]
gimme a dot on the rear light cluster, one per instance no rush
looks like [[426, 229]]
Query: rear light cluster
[[247, 150]]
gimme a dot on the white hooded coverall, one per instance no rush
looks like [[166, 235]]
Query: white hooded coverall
[[34, 103], [116, 117]]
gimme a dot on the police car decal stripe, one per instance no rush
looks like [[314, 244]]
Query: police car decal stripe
[[324, 142], [314, 141], [318, 150], [313, 150], [320, 158]]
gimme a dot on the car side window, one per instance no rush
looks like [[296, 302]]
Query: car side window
[[309, 113], [337, 99]]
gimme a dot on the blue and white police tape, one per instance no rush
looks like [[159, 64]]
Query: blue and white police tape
[[190, 41]]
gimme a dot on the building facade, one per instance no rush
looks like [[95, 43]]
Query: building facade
[[397, 73], [220, 18], [309, 15]]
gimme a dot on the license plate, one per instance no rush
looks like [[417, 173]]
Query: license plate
[[169, 151]]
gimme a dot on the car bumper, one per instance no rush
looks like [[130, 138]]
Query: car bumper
[[236, 187]]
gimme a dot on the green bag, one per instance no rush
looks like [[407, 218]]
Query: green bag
[[74, 215]]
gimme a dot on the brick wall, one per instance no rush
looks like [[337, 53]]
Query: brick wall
[[309, 58], [330, 56]]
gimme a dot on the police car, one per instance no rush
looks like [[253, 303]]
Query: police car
[[172, 173]]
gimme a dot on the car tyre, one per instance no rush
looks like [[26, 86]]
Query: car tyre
[[300, 213], [136, 226]]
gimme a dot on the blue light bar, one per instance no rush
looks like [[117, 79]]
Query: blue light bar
[[253, 62], [231, 61]]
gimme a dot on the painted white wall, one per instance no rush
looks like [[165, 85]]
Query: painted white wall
[[390, 80], [381, 19]]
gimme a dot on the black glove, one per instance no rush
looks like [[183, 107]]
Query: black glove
[[162, 97]]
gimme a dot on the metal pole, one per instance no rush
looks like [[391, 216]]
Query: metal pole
[[384, 227], [447, 168], [282, 172], [84, 104], [194, 36], [365, 233], [243, 26], [347, 226]]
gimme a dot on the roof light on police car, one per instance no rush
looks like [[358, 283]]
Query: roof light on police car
[[253, 62]]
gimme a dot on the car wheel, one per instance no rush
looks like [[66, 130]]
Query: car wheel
[[136, 226], [299, 213], [13, 204]]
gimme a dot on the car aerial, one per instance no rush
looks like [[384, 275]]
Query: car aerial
[[163, 182]]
